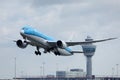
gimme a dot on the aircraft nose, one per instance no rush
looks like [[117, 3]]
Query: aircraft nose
[[22, 32]]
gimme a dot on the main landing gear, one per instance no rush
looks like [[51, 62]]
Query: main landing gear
[[57, 53], [37, 52]]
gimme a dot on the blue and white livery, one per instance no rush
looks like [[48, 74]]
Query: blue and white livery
[[32, 37]]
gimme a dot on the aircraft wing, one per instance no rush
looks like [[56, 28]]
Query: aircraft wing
[[81, 43], [87, 42]]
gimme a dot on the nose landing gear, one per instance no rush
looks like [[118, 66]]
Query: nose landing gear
[[37, 52]]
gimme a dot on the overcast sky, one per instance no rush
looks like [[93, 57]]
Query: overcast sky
[[60, 19]]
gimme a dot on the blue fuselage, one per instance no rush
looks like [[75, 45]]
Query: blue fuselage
[[41, 40]]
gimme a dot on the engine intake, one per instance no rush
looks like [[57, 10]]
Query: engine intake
[[61, 44], [21, 44]]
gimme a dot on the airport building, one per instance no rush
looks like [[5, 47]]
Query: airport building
[[71, 74], [98, 78]]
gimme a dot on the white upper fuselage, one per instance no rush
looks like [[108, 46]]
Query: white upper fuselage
[[40, 40]]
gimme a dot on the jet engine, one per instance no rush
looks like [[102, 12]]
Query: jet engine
[[61, 44], [21, 44]]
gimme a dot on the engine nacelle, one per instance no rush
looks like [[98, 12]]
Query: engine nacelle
[[21, 44], [61, 44]]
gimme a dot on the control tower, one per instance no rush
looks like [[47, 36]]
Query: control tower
[[89, 50]]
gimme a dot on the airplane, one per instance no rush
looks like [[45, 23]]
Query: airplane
[[61, 48]]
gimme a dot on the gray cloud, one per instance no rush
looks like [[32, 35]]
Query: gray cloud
[[52, 2]]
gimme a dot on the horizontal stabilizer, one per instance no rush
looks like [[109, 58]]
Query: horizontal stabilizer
[[77, 52]]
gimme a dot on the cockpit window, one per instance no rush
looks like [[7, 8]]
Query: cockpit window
[[26, 28]]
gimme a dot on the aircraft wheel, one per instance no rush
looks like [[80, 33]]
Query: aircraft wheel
[[56, 53], [36, 52], [39, 53]]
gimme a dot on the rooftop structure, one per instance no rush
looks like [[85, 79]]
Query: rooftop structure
[[71, 74]]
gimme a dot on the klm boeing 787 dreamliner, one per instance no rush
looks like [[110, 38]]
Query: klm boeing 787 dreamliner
[[32, 37]]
